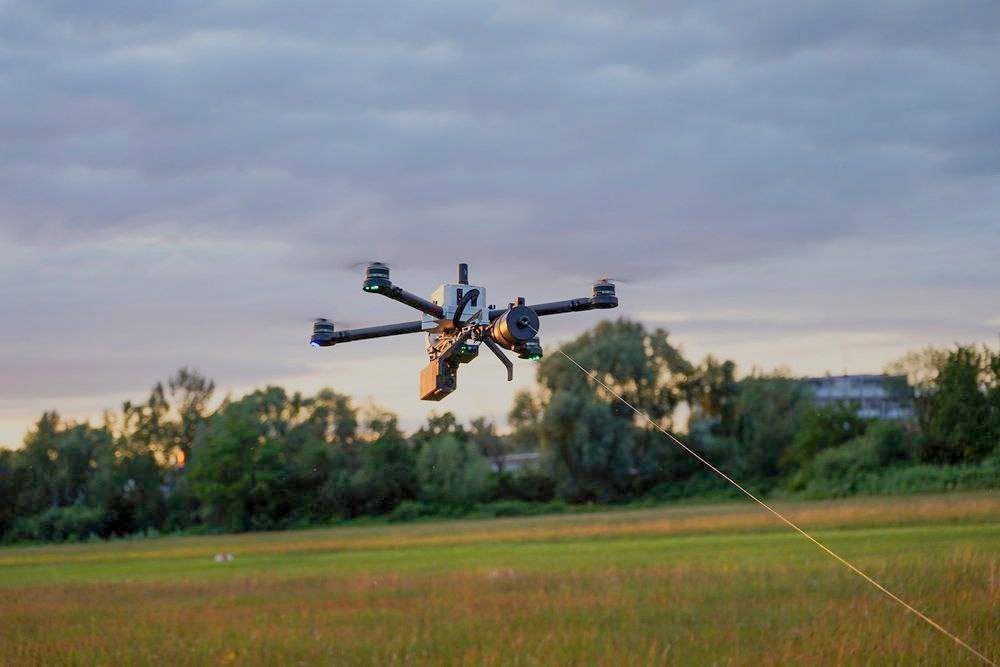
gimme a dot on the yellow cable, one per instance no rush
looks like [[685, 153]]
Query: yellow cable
[[930, 621]]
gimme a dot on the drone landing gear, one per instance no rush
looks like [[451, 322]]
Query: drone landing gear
[[501, 356]]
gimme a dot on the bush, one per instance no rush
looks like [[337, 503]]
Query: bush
[[411, 510], [835, 477], [891, 442], [930, 479], [527, 485], [856, 465], [824, 427], [61, 524], [509, 508], [704, 485], [840, 466]]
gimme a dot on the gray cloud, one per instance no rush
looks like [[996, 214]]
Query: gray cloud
[[173, 174], [789, 125]]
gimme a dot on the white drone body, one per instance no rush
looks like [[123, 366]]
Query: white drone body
[[448, 297]]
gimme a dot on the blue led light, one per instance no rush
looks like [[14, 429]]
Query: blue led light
[[314, 343]]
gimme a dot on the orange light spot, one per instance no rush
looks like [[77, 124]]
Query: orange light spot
[[180, 458]]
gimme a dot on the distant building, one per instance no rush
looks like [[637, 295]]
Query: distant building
[[518, 461], [876, 396]]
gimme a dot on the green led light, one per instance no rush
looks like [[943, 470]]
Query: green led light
[[534, 358]]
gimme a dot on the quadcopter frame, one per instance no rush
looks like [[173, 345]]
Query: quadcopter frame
[[453, 339]]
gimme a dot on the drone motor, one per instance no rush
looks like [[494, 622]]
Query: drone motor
[[322, 333], [376, 277]]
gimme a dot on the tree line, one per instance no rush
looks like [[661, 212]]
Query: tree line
[[272, 460]]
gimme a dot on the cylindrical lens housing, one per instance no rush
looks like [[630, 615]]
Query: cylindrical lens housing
[[517, 325]]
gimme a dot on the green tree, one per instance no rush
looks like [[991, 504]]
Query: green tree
[[492, 446], [61, 460], [439, 425], [849, 467], [588, 449], [127, 485], [147, 425], [331, 416], [36, 466], [711, 392], [388, 467], [451, 472], [524, 418], [959, 416], [594, 444], [842, 469], [824, 427], [103, 486], [332, 455], [920, 367], [10, 489], [769, 411], [321, 464], [891, 441], [239, 469], [191, 393]]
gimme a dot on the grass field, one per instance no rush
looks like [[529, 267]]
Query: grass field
[[712, 584]]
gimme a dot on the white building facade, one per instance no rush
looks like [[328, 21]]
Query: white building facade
[[875, 396]]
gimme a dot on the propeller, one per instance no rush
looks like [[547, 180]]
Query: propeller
[[625, 281], [340, 324], [361, 265]]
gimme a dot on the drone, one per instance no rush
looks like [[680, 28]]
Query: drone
[[456, 321]]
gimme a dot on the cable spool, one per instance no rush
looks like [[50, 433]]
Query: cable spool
[[515, 327]]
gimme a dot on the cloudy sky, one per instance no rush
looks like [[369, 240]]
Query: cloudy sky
[[808, 184]]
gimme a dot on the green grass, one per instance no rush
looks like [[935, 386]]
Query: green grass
[[718, 584]]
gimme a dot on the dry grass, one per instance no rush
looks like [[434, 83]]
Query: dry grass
[[693, 585]]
